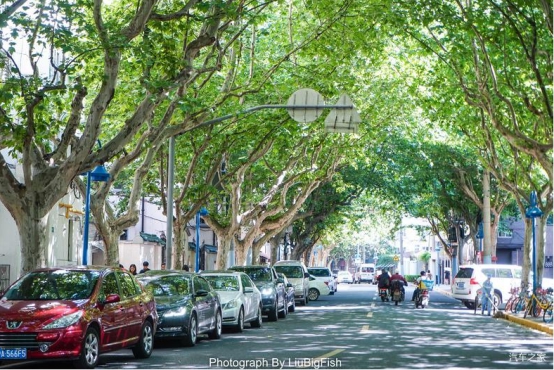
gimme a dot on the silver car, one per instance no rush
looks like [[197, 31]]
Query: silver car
[[241, 300]]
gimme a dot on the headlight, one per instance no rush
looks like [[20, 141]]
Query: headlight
[[267, 291], [175, 312], [231, 304], [65, 321]]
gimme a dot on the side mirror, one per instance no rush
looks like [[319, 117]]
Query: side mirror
[[306, 274], [201, 293], [289, 285], [280, 281], [248, 289], [110, 298]]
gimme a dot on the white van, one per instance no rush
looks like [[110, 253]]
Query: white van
[[297, 274], [469, 279], [366, 272]]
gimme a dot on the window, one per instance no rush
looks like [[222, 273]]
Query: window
[[109, 286], [246, 282], [503, 273], [128, 286]]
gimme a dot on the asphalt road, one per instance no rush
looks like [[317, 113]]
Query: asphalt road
[[353, 329]]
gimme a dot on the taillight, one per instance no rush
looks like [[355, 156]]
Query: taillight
[[327, 283], [473, 281]]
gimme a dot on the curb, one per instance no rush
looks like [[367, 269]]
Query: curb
[[528, 323]]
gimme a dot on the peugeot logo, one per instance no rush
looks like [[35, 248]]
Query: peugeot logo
[[13, 324]]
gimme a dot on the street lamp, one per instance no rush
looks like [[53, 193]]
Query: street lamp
[[202, 212], [533, 212], [98, 174], [304, 105]]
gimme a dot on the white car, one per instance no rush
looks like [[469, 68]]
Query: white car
[[317, 288], [324, 274], [345, 277], [469, 279], [241, 301]]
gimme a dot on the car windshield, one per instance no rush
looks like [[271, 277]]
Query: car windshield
[[171, 285], [222, 282], [256, 274], [54, 285], [294, 272], [319, 272]]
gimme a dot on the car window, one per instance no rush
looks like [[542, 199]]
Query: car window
[[223, 282], [487, 271], [256, 274], [54, 285], [246, 282], [173, 285], [109, 286], [294, 272], [504, 273], [128, 286], [517, 273], [465, 273], [204, 285], [319, 272]]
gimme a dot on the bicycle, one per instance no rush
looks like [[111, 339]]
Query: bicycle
[[537, 303], [514, 295], [547, 315]]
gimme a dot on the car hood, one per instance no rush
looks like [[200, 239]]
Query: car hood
[[36, 312], [164, 303], [227, 296], [264, 284]]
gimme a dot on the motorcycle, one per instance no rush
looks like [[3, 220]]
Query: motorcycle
[[384, 294], [396, 295], [422, 298]]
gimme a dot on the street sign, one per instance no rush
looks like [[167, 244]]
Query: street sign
[[305, 97], [396, 258], [343, 120]]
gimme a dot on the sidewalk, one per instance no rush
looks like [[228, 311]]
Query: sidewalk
[[531, 322]]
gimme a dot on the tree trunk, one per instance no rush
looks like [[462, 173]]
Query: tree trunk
[[179, 244], [33, 239], [111, 242], [223, 249]]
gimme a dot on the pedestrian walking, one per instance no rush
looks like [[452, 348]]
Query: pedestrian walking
[[144, 267]]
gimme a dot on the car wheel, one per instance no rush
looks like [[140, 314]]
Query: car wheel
[[292, 307], [272, 316], [313, 294], [216, 331], [143, 348], [240, 321], [90, 351], [190, 337], [283, 313], [257, 323], [470, 305]]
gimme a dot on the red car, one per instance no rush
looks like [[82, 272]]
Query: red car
[[76, 313]]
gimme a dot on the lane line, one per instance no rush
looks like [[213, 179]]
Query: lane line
[[369, 314], [365, 329]]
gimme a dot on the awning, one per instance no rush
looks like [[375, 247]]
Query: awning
[[210, 248], [152, 238], [385, 266]]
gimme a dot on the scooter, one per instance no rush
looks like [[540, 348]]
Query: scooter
[[384, 294], [422, 298]]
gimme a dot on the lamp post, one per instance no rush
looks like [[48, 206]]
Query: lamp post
[[304, 105], [533, 212], [202, 212], [98, 174]]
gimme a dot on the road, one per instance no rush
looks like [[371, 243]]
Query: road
[[355, 330]]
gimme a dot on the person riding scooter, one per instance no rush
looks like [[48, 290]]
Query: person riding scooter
[[420, 285], [397, 279]]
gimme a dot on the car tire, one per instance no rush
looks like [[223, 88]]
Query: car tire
[[284, 311], [292, 308], [272, 316], [313, 294], [90, 351], [190, 338], [257, 323], [240, 321], [145, 345], [215, 333]]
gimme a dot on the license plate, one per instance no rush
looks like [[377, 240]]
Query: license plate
[[13, 353], [461, 285]]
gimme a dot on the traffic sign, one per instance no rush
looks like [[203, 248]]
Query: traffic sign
[[396, 258]]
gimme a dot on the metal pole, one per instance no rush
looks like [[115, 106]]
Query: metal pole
[[197, 257], [87, 220], [169, 224], [534, 259]]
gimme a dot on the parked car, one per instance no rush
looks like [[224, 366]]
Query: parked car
[[241, 301], [297, 273], [469, 279], [317, 288], [271, 287], [366, 273], [324, 274], [289, 293], [345, 277], [186, 303], [76, 313]]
